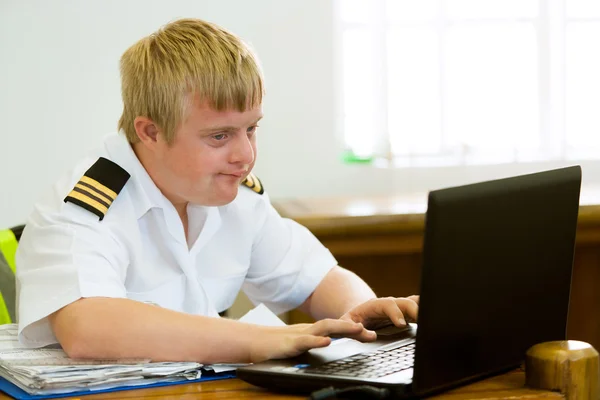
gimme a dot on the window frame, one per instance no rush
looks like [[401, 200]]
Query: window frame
[[550, 24]]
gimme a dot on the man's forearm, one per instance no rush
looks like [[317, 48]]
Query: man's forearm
[[337, 293], [122, 328]]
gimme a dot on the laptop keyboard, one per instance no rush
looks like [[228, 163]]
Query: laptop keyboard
[[374, 364]]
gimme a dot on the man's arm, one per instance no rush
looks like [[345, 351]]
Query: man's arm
[[120, 328], [340, 291], [106, 328], [342, 294]]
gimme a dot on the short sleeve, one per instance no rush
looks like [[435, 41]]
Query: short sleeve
[[287, 264], [64, 255]]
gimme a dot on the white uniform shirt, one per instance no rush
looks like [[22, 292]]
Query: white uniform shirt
[[139, 251]]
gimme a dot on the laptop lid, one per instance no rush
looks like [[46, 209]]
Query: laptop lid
[[496, 276]]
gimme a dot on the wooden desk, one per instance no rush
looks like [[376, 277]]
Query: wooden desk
[[507, 386], [381, 238]]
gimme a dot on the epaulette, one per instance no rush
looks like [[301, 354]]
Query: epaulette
[[99, 187], [253, 183]]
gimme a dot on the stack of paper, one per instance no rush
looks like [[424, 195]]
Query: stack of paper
[[50, 370]]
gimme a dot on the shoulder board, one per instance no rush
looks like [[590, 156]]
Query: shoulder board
[[99, 187], [253, 183]]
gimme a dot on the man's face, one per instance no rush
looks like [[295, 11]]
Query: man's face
[[212, 153]]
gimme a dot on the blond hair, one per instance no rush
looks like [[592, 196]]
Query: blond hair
[[161, 73]]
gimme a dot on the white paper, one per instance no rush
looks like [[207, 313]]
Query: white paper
[[218, 368], [50, 370], [262, 315]]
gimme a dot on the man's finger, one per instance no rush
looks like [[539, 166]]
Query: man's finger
[[389, 306], [409, 307], [365, 335], [414, 298], [307, 342], [327, 327], [301, 344]]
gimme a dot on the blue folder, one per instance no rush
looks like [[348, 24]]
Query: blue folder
[[17, 393]]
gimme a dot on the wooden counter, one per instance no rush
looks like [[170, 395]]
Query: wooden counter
[[507, 386], [381, 240]]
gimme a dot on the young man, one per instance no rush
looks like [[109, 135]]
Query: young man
[[136, 250]]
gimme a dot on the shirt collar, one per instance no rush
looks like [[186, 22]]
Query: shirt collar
[[145, 194]]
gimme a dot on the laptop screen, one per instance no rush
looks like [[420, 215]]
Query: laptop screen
[[496, 274]]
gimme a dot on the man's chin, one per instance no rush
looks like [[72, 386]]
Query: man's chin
[[222, 199], [224, 202]]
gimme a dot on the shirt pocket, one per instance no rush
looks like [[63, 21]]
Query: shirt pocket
[[169, 294]]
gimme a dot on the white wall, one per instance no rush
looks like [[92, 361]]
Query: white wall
[[59, 94]]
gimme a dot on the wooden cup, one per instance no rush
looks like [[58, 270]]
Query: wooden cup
[[570, 367]]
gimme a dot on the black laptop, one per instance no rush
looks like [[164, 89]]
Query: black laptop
[[495, 280]]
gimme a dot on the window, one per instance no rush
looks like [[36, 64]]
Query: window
[[470, 82]]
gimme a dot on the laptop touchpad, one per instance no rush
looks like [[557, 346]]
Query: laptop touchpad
[[392, 330]]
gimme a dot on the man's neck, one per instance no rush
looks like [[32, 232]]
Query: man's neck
[[182, 211], [180, 206]]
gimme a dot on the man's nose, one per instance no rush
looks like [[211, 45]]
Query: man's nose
[[243, 150]]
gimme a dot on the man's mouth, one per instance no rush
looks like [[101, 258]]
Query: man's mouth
[[238, 174]]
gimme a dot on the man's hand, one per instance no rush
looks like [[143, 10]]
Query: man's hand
[[376, 313], [292, 340]]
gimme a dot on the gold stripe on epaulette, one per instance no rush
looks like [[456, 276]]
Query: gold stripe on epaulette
[[257, 185], [249, 181], [89, 201], [253, 183], [106, 191], [97, 193]]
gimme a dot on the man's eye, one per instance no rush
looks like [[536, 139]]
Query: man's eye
[[220, 136], [251, 129]]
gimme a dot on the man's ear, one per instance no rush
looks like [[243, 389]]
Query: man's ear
[[147, 130]]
